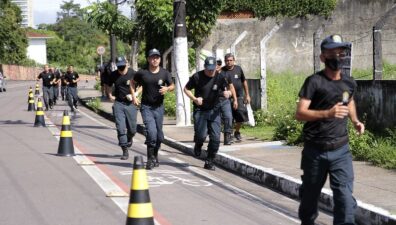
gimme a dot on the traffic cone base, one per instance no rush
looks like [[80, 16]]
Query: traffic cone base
[[140, 210], [39, 120], [66, 147]]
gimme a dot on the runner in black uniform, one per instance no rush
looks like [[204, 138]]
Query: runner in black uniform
[[156, 82]]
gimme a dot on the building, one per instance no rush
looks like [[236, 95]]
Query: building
[[37, 48], [26, 7]]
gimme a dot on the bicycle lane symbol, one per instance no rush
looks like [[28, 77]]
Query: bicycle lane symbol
[[157, 178]]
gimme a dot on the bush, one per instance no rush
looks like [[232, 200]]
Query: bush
[[170, 104], [289, 129], [94, 103]]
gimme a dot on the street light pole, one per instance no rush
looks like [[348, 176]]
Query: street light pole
[[180, 46]]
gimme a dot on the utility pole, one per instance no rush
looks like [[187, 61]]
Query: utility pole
[[180, 53], [113, 46]]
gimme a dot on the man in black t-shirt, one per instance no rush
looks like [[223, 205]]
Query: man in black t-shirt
[[238, 79], [125, 112], [326, 102], [209, 87], [48, 80], [55, 85], [63, 87], [225, 107], [156, 82], [72, 79]]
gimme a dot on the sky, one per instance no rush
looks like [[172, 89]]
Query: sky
[[44, 11]]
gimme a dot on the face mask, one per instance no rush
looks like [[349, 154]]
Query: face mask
[[334, 63], [121, 68]]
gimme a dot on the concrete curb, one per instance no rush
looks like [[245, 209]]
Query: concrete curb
[[366, 214]]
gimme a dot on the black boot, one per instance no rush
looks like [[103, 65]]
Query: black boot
[[150, 158], [197, 149], [209, 165], [130, 141], [125, 154], [227, 139]]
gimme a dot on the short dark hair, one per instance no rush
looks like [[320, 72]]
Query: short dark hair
[[229, 55]]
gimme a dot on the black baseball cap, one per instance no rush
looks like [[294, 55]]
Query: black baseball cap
[[154, 51], [334, 41], [121, 61], [210, 63]]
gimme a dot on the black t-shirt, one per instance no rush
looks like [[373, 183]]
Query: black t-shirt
[[237, 77], [121, 84], [151, 83], [63, 80], [57, 77], [69, 77], [324, 93], [208, 88], [47, 78]]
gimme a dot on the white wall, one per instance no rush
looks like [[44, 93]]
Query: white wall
[[37, 50]]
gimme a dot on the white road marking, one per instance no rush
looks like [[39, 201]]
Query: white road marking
[[205, 174], [105, 183]]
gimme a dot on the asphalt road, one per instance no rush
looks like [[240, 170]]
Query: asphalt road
[[38, 187]]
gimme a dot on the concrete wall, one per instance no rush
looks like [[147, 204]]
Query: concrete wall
[[291, 48], [376, 104], [37, 50]]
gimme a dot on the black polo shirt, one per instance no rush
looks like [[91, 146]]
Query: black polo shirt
[[237, 77], [324, 93], [151, 83], [121, 84], [208, 88], [69, 77], [47, 78]]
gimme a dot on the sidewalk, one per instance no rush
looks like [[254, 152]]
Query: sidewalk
[[277, 166]]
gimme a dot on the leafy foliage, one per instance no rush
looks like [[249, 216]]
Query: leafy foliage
[[107, 18], [282, 8], [13, 40]]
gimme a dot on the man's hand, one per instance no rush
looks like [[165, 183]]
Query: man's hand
[[339, 111], [235, 105], [227, 94], [198, 101], [112, 98], [359, 126], [163, 90], [135, 100], [247, 99]]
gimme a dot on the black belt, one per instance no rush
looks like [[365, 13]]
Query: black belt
[[328, 146]]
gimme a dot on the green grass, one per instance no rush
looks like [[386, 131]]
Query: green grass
[[389, 73], [264, 133]]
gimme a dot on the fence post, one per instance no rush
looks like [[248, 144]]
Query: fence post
[[239, 39], [377, 43], [263, 63]]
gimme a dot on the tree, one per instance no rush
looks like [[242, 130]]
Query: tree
[[156, 15], [69, 9], [106, 17], [13, 40]]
